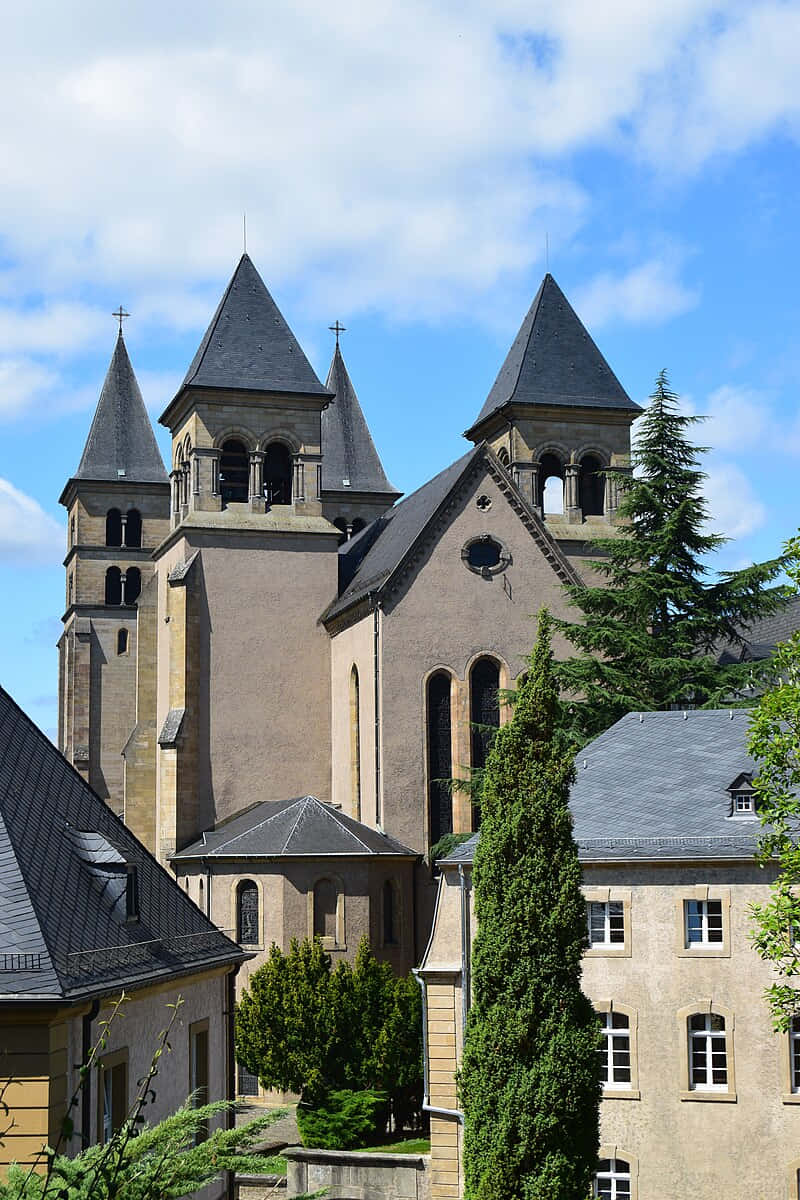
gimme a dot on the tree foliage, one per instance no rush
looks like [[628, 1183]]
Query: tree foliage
[[530, 1078], [774, 742], [651, 630], [304, 1027]]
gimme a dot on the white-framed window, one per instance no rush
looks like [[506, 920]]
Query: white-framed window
[[703, 919], [606, 922], [613, 1179], [794, 1054], [744, 804], [708, 1053], [615, 1052]]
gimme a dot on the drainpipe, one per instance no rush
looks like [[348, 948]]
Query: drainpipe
[[426, 1099], [466, 947], [376, 646], [86, 1093]]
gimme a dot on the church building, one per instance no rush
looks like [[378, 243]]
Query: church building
[[271, 665]]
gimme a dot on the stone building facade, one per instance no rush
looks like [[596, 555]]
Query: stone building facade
[[299, 631], [701, 1097]]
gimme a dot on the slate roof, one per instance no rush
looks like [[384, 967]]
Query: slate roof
[[64, 860], [249, 345], [763, 635], [656, 788], [302, 827], [121, 445], [348, 451], [553, 360]]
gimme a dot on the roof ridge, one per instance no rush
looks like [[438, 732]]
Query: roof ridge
[[291, 832], [209, 335], [259, 825]]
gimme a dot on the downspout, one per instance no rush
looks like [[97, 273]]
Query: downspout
[[466, 948], [86, 1084], [376, 648], [426, 1098]]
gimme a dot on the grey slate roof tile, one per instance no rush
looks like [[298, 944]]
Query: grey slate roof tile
[[62, 885], [553, 360], [249, 345], [763, 635], [290, 828], [121, 444], [348, 451], [656, 788]]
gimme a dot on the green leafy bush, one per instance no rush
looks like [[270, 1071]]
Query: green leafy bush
[[344, 1120]]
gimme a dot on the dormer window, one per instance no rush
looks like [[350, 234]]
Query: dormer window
[[743, 797]]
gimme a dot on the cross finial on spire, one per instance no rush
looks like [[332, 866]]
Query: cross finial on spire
[[120, 314], [337, 329]]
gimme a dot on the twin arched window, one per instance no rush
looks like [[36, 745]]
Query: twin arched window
[[234, 472], [247, 915], [277, 474], [123, 588], [124, 530], [551, 482]]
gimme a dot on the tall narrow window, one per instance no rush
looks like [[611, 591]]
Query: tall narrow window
[[198, 1071], [113, 586], [277, 474], [133, 528], [551, 481], [794, 1053], [708, 1053], [113, 1094], [72, 531], [113, 527], [355, 745], [133, 584], [122, 641], [325, 904], [592, 486], [234, 472], [484, 683], [615, 1053], [440, 765], [247, 933]]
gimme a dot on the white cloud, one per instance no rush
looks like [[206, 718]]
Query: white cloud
[[51, 328], [735, 510], [22, 384], [28, 535], [648, 293]]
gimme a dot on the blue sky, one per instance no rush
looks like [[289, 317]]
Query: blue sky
[[403, 167]]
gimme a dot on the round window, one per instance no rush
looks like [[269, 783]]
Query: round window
[[485, 555]]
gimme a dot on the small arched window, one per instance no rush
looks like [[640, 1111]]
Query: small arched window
[[593, 486], [247, 922], [355, 744], [122, 641], [390, 914], [113, 527], [551, 483], [234, 472], [708, 1053], [503, 455], [484, 684], [133, 528], [201, 897], [113, 586], [440, 757], [277, 474], [133, 585], [613, 1179], [326, 899]]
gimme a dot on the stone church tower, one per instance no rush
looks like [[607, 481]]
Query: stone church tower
[[117, 512]]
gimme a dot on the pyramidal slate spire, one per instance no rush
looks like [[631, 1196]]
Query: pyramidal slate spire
[[249, 345], [554, 361], [121, 444], [349, 457]]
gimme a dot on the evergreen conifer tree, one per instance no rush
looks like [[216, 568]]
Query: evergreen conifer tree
[[652, 630], [530, 1078]]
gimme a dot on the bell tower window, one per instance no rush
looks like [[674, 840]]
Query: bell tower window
[[551, 481], [113, 527], [593, 486], [277, 474], [234, 472], [133, 528], [113, 586], [133, 584]]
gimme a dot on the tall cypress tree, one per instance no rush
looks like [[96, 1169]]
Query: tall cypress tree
[[651, 631], [530, 1078]]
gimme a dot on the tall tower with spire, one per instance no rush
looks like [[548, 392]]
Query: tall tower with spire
[[117, 506]]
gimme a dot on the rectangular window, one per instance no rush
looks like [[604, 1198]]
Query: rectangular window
[[113, 1095], [743, 803], [703, 922], [615, 1052], [198, 1070], [708, 1054], [606, 922]]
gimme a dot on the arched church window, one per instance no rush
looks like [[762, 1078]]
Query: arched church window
[[440, 762], [355, 744], [341, 525], [122, 641], [133, 528], [133, 584], [390, 914], [113, 527], [504, 457], [326, 899], [551, 482], [593, 486], [277, 474], [113, 586], [247, 923], [234, 472], [484, 683]]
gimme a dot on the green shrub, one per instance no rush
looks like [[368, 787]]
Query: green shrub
[[344, 1120]]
